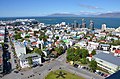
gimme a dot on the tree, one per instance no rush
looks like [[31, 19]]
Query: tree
[[93, 65], [17, 36], [27, 36], [57, 37], [59, 50], [70, 54], [77, 54], [35, 32], [30, 61], [84, 53], [16, 32], [44, 37], [71, 57], [115, 42], [93, 52], [38, 51], [84, 61], [22, 39]]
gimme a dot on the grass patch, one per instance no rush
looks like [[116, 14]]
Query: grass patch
[[54, 74]]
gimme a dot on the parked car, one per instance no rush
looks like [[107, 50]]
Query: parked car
[[40, 65], [16, 71], [6, 46], [76, 65]]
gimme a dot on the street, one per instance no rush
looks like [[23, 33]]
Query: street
[[41, 72]]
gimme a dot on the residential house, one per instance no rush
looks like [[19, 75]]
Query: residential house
[[117, 53], [91, 46], [113, 48], [105, 47], [82, 44]]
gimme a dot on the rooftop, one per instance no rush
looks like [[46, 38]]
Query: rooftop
[[24, 57], [108, 57]]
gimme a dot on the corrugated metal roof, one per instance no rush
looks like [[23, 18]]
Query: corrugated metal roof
[[108, 57]]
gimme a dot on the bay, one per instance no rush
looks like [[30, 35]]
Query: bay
[[110, 22]]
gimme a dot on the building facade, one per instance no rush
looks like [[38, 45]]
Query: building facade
[[107, 62]]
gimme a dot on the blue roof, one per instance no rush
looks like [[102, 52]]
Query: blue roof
[[105, 45], [109, 58]]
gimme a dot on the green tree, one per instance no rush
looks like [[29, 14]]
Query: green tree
[[38, 51], [44, 37], [17, 36], [71, 57], [93, 52], [30, 61], [84, 61], [59, 50], [84, 53], [57, 37], [22, 39], [93, 65], [35, 32], [16, 32], [115, 42], [27, 36]]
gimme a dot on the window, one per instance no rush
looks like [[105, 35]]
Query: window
[[101, 61]]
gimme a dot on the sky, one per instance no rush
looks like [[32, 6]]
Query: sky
[[17, 8]]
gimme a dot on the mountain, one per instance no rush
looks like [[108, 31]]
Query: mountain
[[62, 15], [115, 14]]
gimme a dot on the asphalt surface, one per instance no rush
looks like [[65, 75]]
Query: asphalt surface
[[41, 72]]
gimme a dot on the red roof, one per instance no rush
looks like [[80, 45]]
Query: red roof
[[57, 42], [1, 61], [1, 34], [90, 55], [117, 51], [34, 43], [102, 40]]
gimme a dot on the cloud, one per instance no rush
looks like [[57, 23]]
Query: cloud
[[90, 7]]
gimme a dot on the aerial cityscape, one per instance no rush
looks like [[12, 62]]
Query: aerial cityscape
[[65, 39]]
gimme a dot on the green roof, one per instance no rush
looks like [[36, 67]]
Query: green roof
[[66, 41]]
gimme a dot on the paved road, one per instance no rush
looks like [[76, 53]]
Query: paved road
[[12, 57], [41, 72]]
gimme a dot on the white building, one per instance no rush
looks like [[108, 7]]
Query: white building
[[24, 62], [103, 27], [20, 49], [104, 47], [107, 62], [92, 45], [113, 48], [82, 44]]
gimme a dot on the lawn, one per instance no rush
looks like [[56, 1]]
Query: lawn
[[65, 74]]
